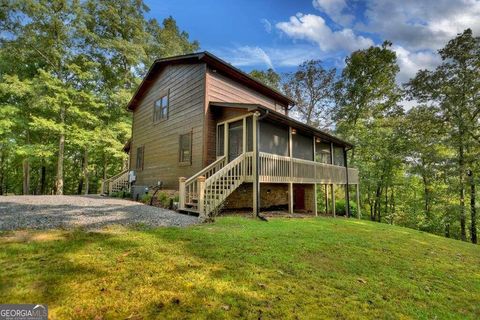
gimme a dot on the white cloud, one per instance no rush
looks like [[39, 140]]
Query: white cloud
[[266, 25], [411, 62], [247, 56], [421, 25], [313, 28], [269, 57], [335, 9]]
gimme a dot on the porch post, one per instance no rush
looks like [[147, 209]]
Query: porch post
[[255, 166], [315, 210], [357, 193], [333, 201], [201, 197], [181, 192], [347, 190], [290, 198], [290, 184], [326, 198]]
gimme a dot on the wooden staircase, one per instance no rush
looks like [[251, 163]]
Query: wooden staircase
[[116, 183], [205, 192]]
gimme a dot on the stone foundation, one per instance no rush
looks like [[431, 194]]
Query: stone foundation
[[272, 195]]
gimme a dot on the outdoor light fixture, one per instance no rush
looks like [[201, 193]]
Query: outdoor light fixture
[[317, 140], [294, 131]]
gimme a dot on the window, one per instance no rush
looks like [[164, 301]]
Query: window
[[322, 150], [160, 108], [140, 154], [338, 156], [302, 146], [273, 138], [185, 149], [220, 140]]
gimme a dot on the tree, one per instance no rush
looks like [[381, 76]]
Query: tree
[[269, 78], [77, 63], [453, 89], [367, 113], [311, 87]]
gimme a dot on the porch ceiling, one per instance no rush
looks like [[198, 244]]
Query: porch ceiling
[[283, 119]]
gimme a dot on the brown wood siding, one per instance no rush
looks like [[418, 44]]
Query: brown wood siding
[[223, 89], [186, 85]]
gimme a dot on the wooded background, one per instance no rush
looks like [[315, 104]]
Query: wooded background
[[68, 69]]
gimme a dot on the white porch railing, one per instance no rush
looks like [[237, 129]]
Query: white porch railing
[[189, 188], [116, 183], [275, 168], [207, 190]]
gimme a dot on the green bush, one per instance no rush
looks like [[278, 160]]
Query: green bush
[[163, 199], [340, 207], [146, 198], [120, 194]]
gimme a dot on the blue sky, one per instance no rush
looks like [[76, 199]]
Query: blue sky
[[281, 34]]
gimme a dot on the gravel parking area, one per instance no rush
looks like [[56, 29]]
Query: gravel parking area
[[91, 212]]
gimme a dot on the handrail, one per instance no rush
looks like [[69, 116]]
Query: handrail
[[206, 169], [116, 176], [227, 167]]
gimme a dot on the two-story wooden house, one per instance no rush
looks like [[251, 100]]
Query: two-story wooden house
[[224, 139]]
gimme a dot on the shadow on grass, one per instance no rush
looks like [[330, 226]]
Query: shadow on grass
[[235, 268]]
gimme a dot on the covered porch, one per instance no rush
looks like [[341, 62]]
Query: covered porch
[[259, 147]]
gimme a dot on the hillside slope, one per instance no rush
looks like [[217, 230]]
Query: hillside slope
[[244, 268]]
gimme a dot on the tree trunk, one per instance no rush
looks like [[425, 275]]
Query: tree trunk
[[461, 162], [426, 188], [85, 171], [378, 195], [41, 185], [61, 151], [26, 177], [2, 170], [473, 210]]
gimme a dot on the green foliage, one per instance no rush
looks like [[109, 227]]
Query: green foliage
[[269, 78], [340, 206], [311, 87], [337, 268], [67, 70], [146, 198]]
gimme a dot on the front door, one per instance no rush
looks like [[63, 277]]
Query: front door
[[235, 139], [299, 197]]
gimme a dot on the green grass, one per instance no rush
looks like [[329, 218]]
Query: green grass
[[243, 268]]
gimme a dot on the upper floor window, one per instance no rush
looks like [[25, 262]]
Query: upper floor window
[[160, 108], [185, 149], [140, 156]]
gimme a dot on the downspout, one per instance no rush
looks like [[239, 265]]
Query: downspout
[[257, 171], [347, 207]]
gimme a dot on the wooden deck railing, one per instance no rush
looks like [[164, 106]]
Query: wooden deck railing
[[118, 182], [206, 190], [275, 168], [190, 189]]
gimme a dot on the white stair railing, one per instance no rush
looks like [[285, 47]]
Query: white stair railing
[[220, 185], [118, 182], [189, 188]]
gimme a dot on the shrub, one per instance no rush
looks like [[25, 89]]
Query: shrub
[[163, 199], [340, 207], [146, 198]]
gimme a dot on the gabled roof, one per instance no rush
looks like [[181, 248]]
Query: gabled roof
[[278, 117], [215, 63]]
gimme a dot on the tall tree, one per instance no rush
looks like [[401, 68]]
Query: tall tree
[[367, 113], [453, 88], [311, 86], [268, 77]]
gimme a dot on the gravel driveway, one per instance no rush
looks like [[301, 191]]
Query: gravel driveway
[[91, 212]]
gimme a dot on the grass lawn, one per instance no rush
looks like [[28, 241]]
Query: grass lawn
[[243, 268]]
